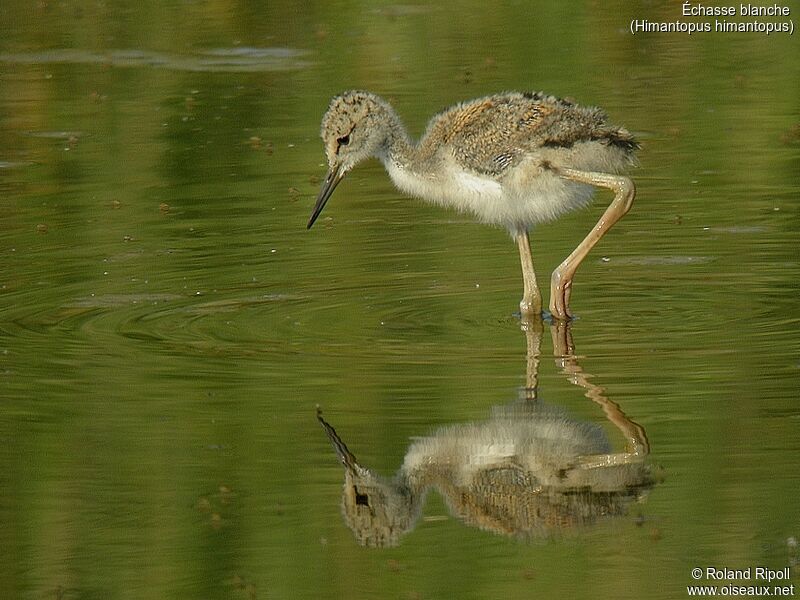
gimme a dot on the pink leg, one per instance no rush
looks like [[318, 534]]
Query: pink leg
[[564, 351], [531, 303], [624, 193]]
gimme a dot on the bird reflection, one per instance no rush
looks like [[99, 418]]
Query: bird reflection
[[530, 470]]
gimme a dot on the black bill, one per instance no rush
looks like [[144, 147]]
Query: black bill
[[332, 179], [344, 455]]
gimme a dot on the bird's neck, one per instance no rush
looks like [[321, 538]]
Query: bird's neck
[[397, 149]]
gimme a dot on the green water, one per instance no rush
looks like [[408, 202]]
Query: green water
[[168, 325]]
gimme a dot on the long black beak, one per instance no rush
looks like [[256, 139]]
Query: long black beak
[[332, 179], [344, 455]]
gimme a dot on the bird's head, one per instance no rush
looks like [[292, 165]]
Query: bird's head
[[377, 510], [355, 127]]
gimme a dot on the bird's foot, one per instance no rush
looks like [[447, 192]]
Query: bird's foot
[[560, 290], [560, 314], [530, 307]]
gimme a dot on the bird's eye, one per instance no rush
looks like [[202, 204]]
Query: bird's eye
[[344, 140]]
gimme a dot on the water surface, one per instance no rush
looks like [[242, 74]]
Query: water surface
[[168, 326]]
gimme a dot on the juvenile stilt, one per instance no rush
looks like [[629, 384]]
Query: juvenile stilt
[[513, 160], [528, 470]]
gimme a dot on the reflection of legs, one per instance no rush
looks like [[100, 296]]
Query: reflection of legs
[[531, 303], [561, 281], [638, 446], [533, 329]]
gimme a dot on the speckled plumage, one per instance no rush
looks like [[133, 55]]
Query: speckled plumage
[[492, 135], [511, 159]]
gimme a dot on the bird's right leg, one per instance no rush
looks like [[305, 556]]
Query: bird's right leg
[[637, 444], [531, 303], [624, 193]]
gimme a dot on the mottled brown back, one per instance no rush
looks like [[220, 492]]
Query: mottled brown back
[[492, 134]]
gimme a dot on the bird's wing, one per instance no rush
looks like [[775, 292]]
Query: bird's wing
[[493, 134]]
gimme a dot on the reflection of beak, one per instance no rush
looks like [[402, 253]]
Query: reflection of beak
[[347, 458], [332, 179]]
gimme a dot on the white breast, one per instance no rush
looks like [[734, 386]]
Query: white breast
[[449, 187], [522, 198]]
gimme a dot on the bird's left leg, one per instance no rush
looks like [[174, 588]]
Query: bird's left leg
[[624, 193], [531, 303]]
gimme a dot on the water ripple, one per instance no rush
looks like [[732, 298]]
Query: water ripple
[[239, 59]]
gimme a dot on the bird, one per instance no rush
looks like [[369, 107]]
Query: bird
[[530, 470], [513, 159]]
